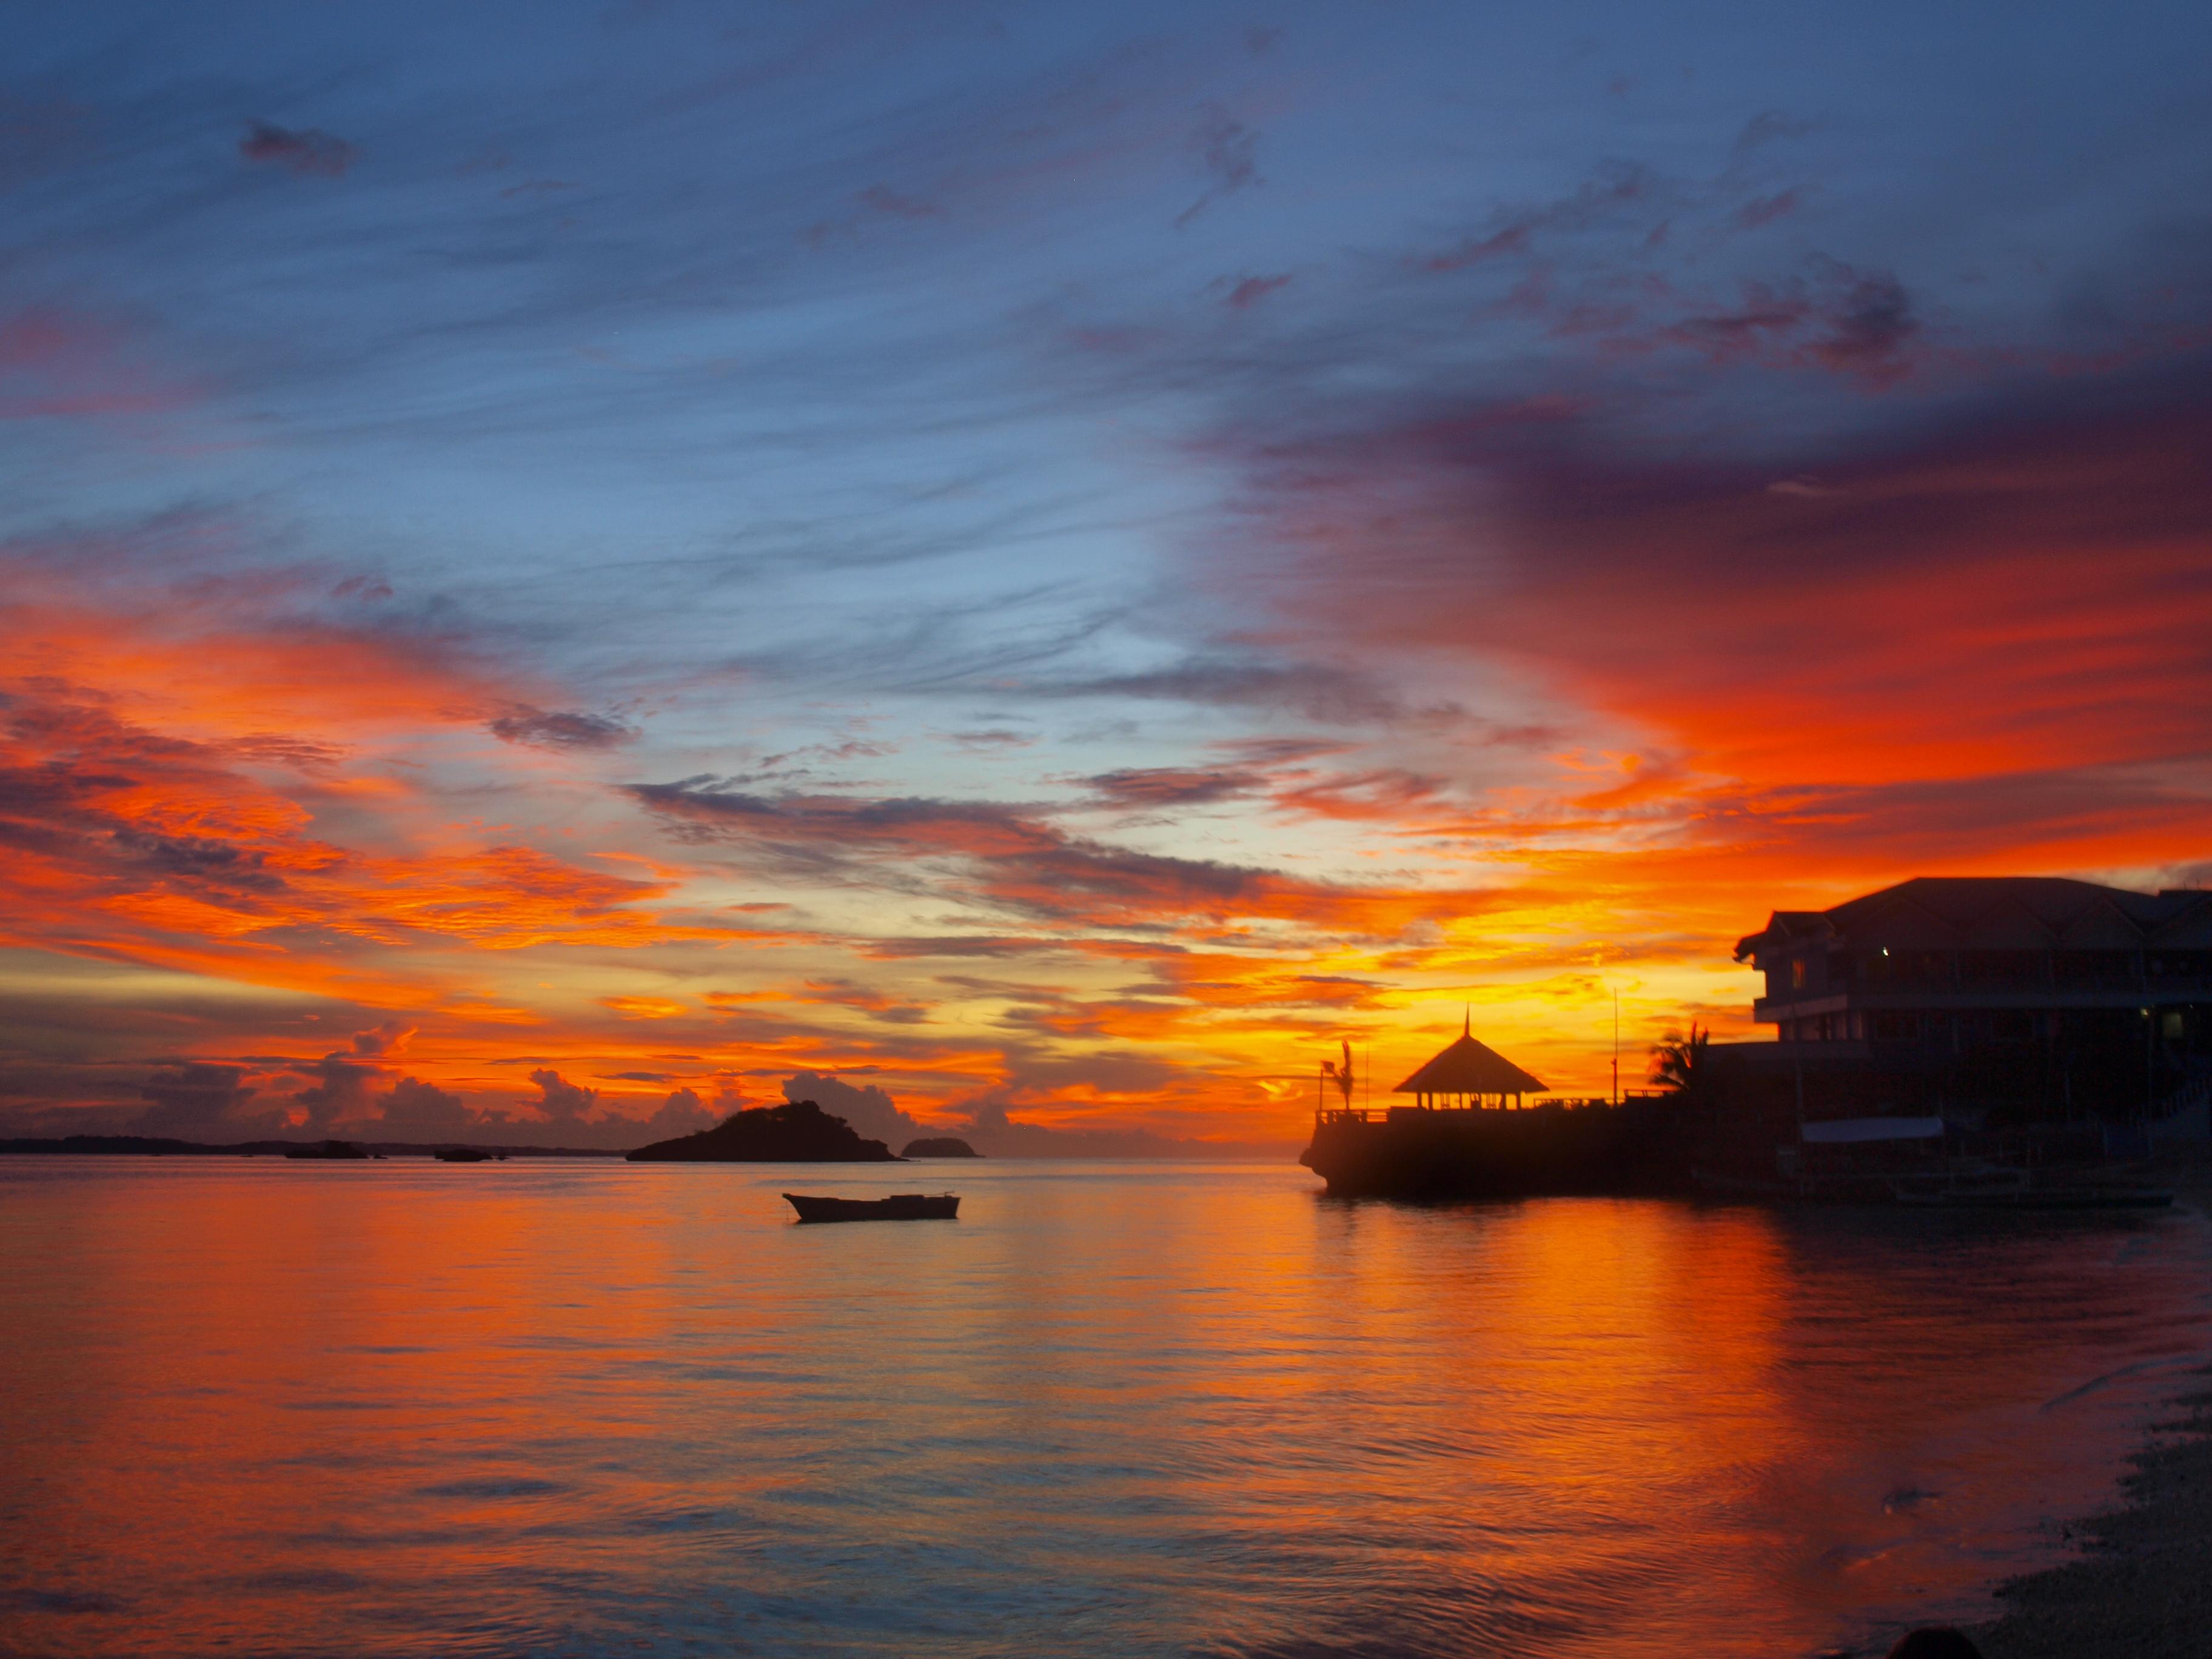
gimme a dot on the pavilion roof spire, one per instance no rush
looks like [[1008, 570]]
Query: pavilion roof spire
[[1471, 1067]]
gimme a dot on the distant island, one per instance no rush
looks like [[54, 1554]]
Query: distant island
[[941, 1147], [329, 1149], [798, 1132]]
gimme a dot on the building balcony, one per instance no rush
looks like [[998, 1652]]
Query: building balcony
[[1774, 1010]]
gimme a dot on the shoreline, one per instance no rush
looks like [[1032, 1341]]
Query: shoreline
[[2142, 1586]]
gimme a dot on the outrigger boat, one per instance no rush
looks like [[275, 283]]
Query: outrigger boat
[[900, 1206]]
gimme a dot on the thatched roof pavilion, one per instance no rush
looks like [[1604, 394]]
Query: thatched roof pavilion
[[1470, 1072]]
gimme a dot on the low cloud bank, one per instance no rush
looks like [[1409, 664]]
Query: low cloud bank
[[355, 1094], [990, 1131]]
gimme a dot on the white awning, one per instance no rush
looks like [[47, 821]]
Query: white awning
[[1873, 1128]]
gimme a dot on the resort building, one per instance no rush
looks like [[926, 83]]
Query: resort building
[[2048, 997]]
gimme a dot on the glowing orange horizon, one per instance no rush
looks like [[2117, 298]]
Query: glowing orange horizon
[[326, 827]]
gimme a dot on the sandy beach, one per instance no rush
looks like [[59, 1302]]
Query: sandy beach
[[2143, 1588]]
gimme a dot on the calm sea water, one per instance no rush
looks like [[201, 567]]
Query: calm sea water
[[535, 1407]]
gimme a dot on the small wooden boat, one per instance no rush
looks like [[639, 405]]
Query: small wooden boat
[[1965, 1184], [901, 1206]]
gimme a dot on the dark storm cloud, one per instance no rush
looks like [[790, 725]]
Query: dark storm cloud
[[304, 150]]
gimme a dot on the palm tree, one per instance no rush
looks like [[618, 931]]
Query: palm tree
[[1679, 1063], [1340, 1075]]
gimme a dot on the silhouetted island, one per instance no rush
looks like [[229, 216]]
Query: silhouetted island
[[940, 1146], [329, 1149], [798, 1132]]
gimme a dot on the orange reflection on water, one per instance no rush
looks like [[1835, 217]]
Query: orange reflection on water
[[403, 1408]]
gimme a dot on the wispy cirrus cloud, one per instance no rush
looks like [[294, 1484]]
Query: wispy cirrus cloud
[[1227, 152], [1854, 322], [1013, 859], [58, 363], [1161, 787]]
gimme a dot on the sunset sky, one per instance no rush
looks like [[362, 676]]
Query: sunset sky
[[568, 565]]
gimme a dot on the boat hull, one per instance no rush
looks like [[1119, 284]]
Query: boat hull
[[901, 1206]]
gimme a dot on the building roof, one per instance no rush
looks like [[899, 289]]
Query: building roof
[[1998, 913], [1471, 1068]]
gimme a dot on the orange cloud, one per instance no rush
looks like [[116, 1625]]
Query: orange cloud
[[149, 813], [1587, 722]]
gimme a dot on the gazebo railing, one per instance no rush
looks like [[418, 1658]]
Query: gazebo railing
[[1569, 1102]]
